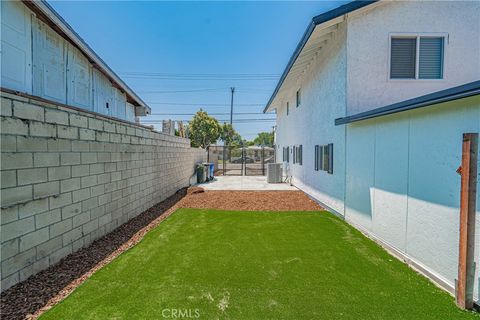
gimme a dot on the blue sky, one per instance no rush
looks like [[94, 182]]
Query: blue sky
[[182, 56]]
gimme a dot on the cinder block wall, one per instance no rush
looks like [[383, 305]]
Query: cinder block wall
[[69, 177]]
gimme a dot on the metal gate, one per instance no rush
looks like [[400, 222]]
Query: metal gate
[[239, 161]]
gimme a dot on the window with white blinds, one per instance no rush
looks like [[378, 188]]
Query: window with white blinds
[[416, 57], [298, 154], [430, 64]]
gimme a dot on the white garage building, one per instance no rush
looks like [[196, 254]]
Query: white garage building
[[42, 56], [371, 109]]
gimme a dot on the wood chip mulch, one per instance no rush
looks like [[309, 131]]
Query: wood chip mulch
[[32, 297]]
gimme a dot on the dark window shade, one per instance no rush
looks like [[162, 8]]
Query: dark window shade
[[402, 58], [430, 64]]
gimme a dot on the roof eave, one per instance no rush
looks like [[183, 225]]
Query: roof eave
[[322, 18], [59, 22], [450, 94]]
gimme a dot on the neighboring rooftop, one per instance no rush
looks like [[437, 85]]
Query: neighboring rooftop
[[48, 15]]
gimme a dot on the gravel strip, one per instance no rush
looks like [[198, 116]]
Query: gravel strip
[[32, 297]]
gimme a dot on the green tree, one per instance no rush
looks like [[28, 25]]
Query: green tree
[[204, 130], [229, 136], [264, 139]]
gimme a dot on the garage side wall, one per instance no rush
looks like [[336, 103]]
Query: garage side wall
[[402, 186], [69, 177]]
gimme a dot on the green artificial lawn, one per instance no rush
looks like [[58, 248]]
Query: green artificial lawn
[[211, 264]]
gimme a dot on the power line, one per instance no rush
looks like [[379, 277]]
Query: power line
[[183, 91], [210, 114], [208, 104]]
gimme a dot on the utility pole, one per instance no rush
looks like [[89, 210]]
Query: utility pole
[[231, 106]]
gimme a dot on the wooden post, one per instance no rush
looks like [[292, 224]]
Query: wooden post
[[468, 196]]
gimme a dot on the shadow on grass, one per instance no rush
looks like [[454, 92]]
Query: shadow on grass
[[28, 297]]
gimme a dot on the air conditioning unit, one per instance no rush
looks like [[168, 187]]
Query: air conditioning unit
[[274, 172]]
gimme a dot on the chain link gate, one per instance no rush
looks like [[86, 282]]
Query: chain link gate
[[239, 161]]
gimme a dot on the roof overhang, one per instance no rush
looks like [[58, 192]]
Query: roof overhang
[[455, 93], [47, 14], [318, 33]]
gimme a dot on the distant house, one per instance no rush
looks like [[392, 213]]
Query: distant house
[[42, 56], [371, 109]]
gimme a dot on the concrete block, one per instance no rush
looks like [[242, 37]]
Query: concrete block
[[33, 239], [24, 110], [14, 126], [60, 254], [8, 178], [32, 207], [47, 218], [66, 132], [121, 129], [9, 281], [80, 146], [46, 159], [6, 107], [95, 124], [78, 121], [96, 146], [60, 228], [34, 268], [97, 212], [89, 157], [46, 189], [17, 229], [16, 160], [81, 218], [90, 226], [9, 248], [71, 210], [62, 145], [109, 126], [55, 116], [30, 176], [81, 195], [70, 158], [87, 134], [89, 204], [59, 173], [8, 215], [88, 181], [72, 235], [97, 190], [8, 143], [47, 248], [69, 185], [15, 195], [80, 170], [103, 157], [41, 129], [31, 144], [102, 136], [105, 198], [104, 178], [60, 201], [97, 168]]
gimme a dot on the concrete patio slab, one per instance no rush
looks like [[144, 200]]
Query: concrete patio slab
[[244, 183]]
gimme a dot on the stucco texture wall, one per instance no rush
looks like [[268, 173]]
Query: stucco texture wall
[[69, 177], [368, 44], [312, 123], [402, 184]]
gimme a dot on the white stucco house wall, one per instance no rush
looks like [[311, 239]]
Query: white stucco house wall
[[43, 57], [371, 109]]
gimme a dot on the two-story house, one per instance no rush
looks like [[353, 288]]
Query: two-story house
[[371, 109]]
